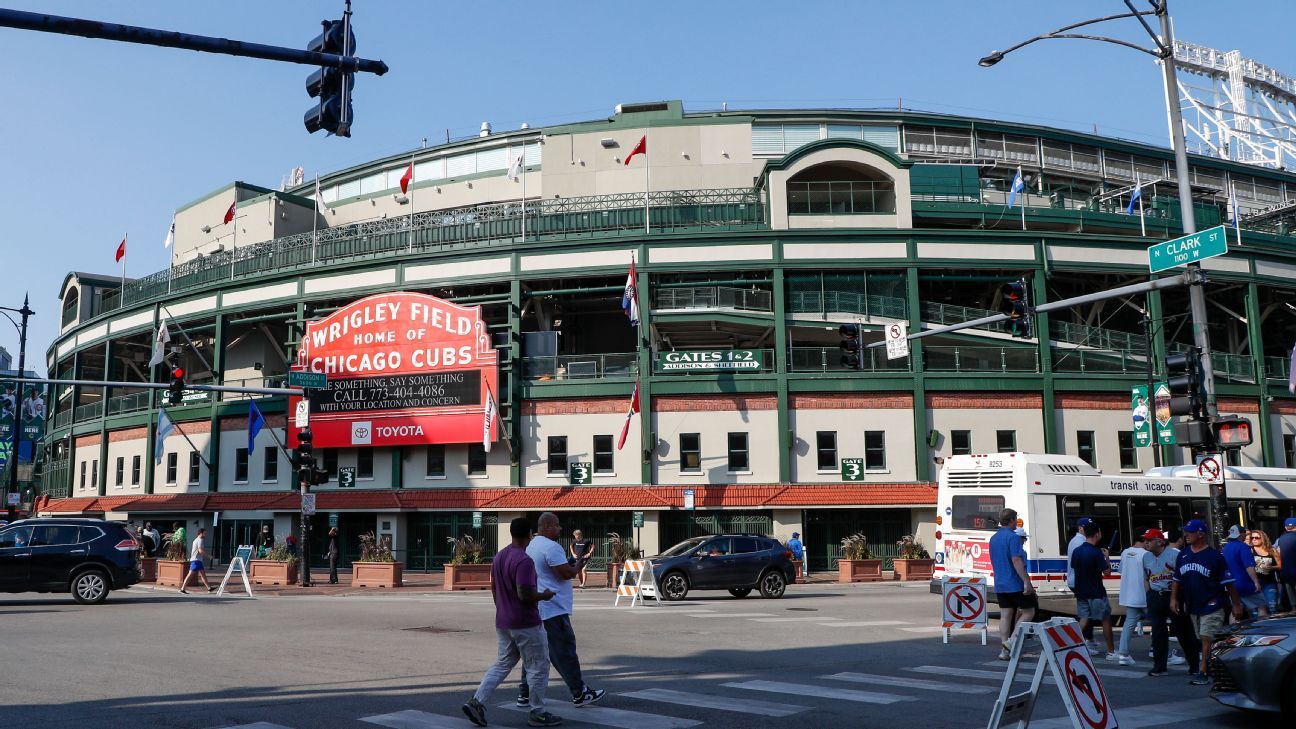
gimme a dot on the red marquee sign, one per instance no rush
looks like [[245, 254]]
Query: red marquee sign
[[403, 369]]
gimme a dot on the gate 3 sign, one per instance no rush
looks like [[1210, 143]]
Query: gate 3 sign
[[403, 369]]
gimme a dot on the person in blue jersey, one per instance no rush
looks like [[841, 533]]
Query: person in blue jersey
[[1091, 565], [1203, 588], [1013, 588], [1241, 565]]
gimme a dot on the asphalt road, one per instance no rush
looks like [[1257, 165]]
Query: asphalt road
[[823, 656]]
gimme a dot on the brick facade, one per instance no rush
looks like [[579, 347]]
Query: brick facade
[[985, 400], [710, 403], [851, 401], [578, 406]]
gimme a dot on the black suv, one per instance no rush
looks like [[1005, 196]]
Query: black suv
[[87, 557], [738, 563]]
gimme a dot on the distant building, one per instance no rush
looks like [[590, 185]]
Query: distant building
[[6, 361]]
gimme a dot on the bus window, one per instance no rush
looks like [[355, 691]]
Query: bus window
[[1267, 517], [1109, 515], [976, 512], [1163, 514]]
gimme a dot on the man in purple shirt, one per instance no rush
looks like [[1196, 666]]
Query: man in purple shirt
[[518, 629]]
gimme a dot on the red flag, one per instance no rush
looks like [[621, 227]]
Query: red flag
[[634, 410], [229, 214], [407, 178], [121, 251], [640, 148]]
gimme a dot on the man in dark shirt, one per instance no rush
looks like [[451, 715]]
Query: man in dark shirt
[[518, 630], [1203, 587], [1286, 546], [1091, 565]]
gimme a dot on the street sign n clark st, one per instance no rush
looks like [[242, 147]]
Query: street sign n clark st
[[1187, 249]]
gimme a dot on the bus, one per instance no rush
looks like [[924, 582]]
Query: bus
[[1051, 492]]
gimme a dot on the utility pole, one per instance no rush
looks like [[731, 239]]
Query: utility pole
[[14, 455]]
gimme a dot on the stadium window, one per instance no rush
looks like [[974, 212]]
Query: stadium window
[[690, 453], [1085, 447], [121, 472], [436, 461], [135, 471], [94, 474], [1289, 448], [875, 450], [240, 466], [364, 463], [603, 461], [826, 445], [1128, 453], [557, 457], [476, 459], [1005, 441], [739, 462], [173, 460], [194, 462], [960, 442], [83, 474], [270, 469], [331, 462]]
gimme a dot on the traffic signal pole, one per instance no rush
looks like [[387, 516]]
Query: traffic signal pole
[[15, 454]]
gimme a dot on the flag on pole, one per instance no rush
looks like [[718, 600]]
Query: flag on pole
[[170, 233], [634, 410], [640, 148], [229, 214], [1233, 208], [1291, 372], [319, 197], [121, 250], [160, 341], [515, 168], [408, 177], [256, 421], [1018, 185], [630, 298], [488, 420], [1134, 196], [164, 428]]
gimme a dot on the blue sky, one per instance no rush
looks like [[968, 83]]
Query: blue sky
[[99, 138]]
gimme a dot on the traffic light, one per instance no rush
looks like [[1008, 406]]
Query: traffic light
[[1016, 306], [1231, 431], [1184, 378], [305, 457], [319, 477], [331, 85], [850, 346], [175, 391]]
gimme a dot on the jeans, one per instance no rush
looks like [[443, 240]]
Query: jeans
[[562, 653], [1133, 615], [1158, 612], [1270, 590], [529, 645]]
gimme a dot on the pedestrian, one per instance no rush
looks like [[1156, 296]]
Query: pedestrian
[[157, 538], [1286, 546], [1158, 572], [1076, 540], [519, 633], [1267, 566], [265, 541], [291, 543], [333, 555], [581, 550], [179, 538], [553, 572], [1202, 584], [1013, 588], [1133, 595], [196, 558], [146, 541], [1092, 605], [1241, 565], [797, 549]]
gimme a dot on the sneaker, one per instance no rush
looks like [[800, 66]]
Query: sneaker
[[1112, 656], [476, 713], [542, 719], [1151, 654], [589, 697], [184, 592], [1126, 660], [1176, 660], [1094, 651], [1157, 673], [1199, 679], [523, 699], [1005, 654]]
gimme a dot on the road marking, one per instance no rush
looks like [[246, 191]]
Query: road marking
[[729, 615], [791, 620], [1147, 715], [619, 717], [411, 719], [928, 629], [906, 682], [964, 673], [745, 706], [1101, 667], [823, 692], [868, 623], [259, 725]]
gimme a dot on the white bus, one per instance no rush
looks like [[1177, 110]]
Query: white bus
[[1052, 492]]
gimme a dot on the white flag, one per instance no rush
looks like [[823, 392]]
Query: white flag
[[160, 341], [170, 233], [515, 169], [488, 421], [319, 197]]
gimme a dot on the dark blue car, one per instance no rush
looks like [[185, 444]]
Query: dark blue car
[[738, 563]]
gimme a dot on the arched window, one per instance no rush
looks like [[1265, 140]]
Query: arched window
[[840, 188], [70, 306]]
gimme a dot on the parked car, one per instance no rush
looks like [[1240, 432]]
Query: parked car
[[1253, 665], [87, 557], [738, 563]]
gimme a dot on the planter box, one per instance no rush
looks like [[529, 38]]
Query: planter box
[[376, 574], [148, 569], [859, 570], [800, 573], [468, 577], [914, 570], [171, 572], [614, 574], [272, 572]]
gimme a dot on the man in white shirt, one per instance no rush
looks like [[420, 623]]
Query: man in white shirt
[[1133, 595], [1077, 540], [197, 555], [555, 572]]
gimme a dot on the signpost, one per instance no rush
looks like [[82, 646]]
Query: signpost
[[1210, 470], [333, 520], [580, 473], [1164, 420], [964, 606], [308, 504], [638, 519], [1065, 656], [301, 416], [688, 499], [304, 379], [346, 477], [1186, 249], [852, 469], [709, 360], [1141, 412], [897, 340]]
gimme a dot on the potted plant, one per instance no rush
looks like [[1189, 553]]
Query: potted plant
[[173, 566], [912, 561], [469, 566], [857, 563], [621, 549], [278, 567], [376, 566]]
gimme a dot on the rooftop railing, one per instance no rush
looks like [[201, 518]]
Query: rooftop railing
[[714, 297]]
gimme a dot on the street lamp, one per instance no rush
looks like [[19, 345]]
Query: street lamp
[[12, 486], [1164, 53]]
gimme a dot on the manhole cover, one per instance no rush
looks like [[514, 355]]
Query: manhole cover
[[805, 610], [435, 629]]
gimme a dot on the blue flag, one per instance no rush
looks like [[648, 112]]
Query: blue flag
[[256, 421], [1134, 197], [1017, 186], [164, 428]]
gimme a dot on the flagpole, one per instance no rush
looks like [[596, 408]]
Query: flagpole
[[171, 253], [121, 300], [411, 203], [647, 184], [234, 245], [1142, 219], [523, 170], [315, 221]]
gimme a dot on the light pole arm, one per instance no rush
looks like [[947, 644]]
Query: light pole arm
[[998, 56]]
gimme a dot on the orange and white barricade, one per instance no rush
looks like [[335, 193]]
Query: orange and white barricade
[[964, 606], [1062, 653], [636, 582]]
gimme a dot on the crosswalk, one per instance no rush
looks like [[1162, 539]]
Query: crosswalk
[[727, 700]]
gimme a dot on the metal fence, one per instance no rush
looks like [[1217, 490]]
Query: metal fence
[[581, 366], [715, 297], [848, 302], [828, 359], [977, 358]]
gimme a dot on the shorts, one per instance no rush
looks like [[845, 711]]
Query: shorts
[[1254, 601], [1208, 625], [1017, 600], [195, 565], [1098, 608]]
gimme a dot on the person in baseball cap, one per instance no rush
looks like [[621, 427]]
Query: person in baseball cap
[[1286, 546], [1196, 526], [1204, 588], [1159, 568], [1076, 540]]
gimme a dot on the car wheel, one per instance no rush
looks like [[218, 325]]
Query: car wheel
[[674, 586], [90, 587], [773, 584], [740, 591]]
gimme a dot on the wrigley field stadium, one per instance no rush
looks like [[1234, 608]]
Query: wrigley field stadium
[[661, 324]]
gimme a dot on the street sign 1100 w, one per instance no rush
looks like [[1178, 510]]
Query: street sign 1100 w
[[1188, 249]]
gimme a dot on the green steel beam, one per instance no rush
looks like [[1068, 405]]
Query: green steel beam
[[780, 367], [1255, 342]]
